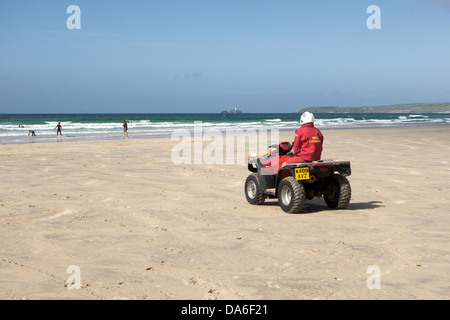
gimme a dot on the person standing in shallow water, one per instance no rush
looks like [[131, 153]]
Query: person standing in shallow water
[[58, 129], [125, 129]]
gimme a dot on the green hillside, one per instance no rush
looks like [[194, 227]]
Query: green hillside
[[395, 108]]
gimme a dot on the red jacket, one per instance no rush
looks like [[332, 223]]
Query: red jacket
[[308, 142]]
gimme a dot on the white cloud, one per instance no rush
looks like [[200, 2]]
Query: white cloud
[[192, 75]]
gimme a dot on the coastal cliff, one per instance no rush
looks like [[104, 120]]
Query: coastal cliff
[[396, 108]]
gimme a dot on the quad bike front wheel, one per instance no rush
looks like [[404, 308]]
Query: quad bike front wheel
[[338, 192], [291, 195], [253, 191]]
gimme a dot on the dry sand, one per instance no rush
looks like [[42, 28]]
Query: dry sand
[[140, 227]]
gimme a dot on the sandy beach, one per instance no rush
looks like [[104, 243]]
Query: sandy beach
[[137, 226]]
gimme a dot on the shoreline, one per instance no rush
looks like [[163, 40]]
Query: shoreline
[[72, 138]]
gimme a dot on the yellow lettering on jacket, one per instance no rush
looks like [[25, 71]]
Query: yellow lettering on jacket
[[314, 140]]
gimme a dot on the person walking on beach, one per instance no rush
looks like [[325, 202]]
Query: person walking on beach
[[58, 129], [308, 141], [125, 129]]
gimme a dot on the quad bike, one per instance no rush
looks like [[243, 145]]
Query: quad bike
[[294, 183]]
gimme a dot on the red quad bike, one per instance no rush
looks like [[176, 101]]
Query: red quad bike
[[295, 183]]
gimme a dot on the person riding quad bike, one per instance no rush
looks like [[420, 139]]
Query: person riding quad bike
[[294, 177], [308, 141]]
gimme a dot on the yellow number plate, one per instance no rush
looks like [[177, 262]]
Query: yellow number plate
[[301, 173]]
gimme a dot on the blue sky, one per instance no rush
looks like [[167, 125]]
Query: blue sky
[[214, 55]]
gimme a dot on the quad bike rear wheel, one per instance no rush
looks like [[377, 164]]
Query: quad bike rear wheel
[[291, 195], [338, 192], [253, 191]]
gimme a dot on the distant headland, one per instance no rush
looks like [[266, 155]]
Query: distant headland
[[395, 108]]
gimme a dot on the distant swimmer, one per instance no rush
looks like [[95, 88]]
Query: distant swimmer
[[32, 133], [58, 128]]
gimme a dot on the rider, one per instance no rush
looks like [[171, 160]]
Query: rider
[[308, 141]]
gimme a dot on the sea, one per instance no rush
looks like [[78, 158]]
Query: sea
[[15, 128]]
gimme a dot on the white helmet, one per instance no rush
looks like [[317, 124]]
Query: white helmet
[[307, 117]]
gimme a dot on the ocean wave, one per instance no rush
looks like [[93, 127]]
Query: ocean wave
[[272, 120], [165, 125]]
